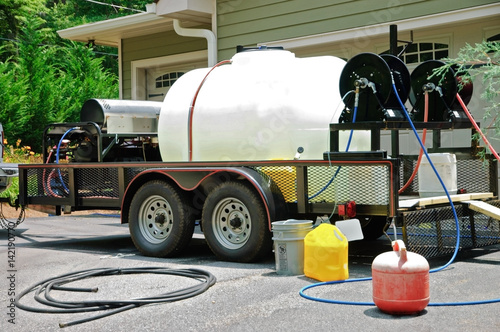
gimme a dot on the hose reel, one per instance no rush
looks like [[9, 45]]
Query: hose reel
[[373, 74], [442, 91]]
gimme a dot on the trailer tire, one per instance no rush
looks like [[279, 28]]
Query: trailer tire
[[235, 224], [160, 221]]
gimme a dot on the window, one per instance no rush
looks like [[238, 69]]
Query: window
[[420, 52], [494, 38], [168, 79]]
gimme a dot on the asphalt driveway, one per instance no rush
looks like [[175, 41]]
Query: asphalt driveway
[[245, 297]]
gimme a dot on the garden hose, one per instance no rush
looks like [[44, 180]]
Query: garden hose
[[457, 246], [42, 292]]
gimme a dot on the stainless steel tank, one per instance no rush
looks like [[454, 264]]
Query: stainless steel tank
[[122, 116]]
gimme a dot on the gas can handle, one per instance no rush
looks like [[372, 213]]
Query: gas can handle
[[399, 246]]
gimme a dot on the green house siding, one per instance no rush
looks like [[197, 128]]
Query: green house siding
[[152, 46], [251, 22]]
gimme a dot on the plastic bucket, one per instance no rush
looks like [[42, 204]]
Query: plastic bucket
[[446, 166], [288, 237]]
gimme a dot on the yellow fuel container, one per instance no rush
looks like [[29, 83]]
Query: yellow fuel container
[[325, 254]]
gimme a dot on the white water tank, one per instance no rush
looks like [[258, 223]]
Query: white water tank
[[262, 106]]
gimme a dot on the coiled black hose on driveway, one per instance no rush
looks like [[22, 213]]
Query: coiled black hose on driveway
[[43, 289]]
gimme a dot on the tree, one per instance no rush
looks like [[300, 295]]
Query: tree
[[81, 77], [45, 83], [64, 14], [11, 12], [480, 62]]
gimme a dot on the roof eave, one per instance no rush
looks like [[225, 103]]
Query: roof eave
[[110, 32]]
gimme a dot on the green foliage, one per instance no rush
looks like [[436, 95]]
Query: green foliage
[[35, 73], [45, 84], [12, 191], [18, 154], [93, 12], [12, 10], [82, 77], [480, 62]]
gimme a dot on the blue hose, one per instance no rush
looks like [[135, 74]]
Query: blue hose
[[457, 225], [57, 157], [346, 149], [457, 246]]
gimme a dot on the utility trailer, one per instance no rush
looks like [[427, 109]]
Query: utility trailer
[[110, 159], [236, 202]]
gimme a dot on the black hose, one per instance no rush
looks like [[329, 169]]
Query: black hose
[[43, 289]]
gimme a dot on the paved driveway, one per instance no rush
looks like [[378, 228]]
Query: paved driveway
[[246, 297]]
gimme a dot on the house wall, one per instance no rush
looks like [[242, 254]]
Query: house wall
[[456, 37], [152, 46], [251, 22]]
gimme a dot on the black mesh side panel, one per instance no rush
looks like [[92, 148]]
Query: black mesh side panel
[[473, 175], [97, 182], [432, 232], [365, 184], [47, 182]]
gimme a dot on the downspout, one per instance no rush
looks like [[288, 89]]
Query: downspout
[[202, 33]]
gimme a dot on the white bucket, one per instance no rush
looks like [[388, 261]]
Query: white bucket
[[288, 237], [446, 166]]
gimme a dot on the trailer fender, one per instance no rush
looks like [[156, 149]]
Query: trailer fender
[[191, 178]]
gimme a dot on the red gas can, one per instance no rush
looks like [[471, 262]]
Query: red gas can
[[400, 281]]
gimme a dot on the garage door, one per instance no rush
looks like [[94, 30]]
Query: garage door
[[159, 80]]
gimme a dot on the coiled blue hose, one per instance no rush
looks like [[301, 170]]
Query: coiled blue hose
[[57, 157], [457, 246]]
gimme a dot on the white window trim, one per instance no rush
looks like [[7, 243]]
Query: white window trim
[[441, 38], [138, 84], [120, 70], [490, 31]]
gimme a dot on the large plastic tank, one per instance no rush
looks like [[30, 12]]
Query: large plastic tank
[[262, 106]]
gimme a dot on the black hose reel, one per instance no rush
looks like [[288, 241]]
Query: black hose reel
[[374, 75], [442, 91]]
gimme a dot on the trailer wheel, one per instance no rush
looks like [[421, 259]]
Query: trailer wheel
[[235, 224], [160, 223]]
